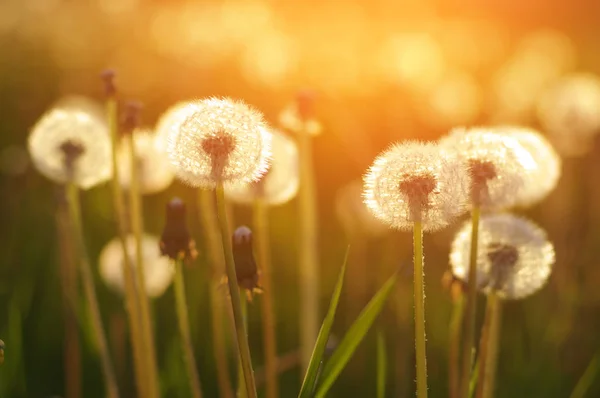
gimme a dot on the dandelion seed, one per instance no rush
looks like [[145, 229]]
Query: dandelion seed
[[221, 141], [415, 182], [71, 145], [280, 183], [514, 256], [158, 271], [154, 168], [353, 213], [498, 166]]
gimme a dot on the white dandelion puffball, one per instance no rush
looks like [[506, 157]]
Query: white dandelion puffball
[[544, 176], [153, 166], [413, 182], [280, 184], [353, 214], [221, 141], [498, 166], [158, 271], [514, 257], [68, 144]]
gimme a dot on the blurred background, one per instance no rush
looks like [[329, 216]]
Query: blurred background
[[382, 71]]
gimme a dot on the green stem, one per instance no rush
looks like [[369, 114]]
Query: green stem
[[454, 350], [309, 268], [489, 347], [131, 302], [471, 308], [112, 390], [242, 337], [241, 393], [135, 201], [261, 234], [420, 311], [184, 330], [586, 380], [210, 228]]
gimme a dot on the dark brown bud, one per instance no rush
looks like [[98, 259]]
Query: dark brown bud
[[108, 77], [245, 265], [175, 240], [131, 116]]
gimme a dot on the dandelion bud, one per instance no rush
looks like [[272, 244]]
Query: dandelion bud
[[176, 242], [220, 141], [131, 116], [415, 182], [514, 257], [280, 183], [108, 78], [245, 265], [69, 144], [158, 272], [154, 169]]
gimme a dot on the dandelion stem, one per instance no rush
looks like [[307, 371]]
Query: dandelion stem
[[242, 337], [210, 227], [184, 331], [489, 347], [261, 229], [419, 311], [242, 393], [131, 302], [112, 390], [471, 307], [454, 350], [135, 201]]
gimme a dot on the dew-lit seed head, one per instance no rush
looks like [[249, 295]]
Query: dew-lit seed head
[[158, 272], [245, 265], [176, 242], [71, 144], [217, 141], [280, 183], [514, 256], [353, 214], [416, 182], [153, 167]]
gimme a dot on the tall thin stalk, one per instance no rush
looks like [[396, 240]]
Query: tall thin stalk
[[112, 390], [261, 233], [210, 228], [456, 321], [242, 337], [489, 347], [184, 330], [149, 350], [471, 307], [241, 392], [419, 292]]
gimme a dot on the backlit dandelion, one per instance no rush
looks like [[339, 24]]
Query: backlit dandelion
[[280, 183], [514, 257], [415, 182], [71, 145], [158, 271], [220, 141], [154, 169]]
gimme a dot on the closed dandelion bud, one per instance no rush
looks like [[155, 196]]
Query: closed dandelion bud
[[415, 182], [158, 272], [245, 265], [514, 256], [280, 183], [354, 215], [153, 166], [131, 116], [69, 144], [108, 79], [498, 167], [176, 242], [221, 141]]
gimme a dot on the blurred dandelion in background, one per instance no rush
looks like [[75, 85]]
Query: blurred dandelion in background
[[290, 120], [154, 168], [158, 271], [353, 213], [280, 184], [514, 257]]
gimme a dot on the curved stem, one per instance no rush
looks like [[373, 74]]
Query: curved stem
[[242, 337], [110, 380], [489, 347], [471, 308], [135, 201], [261, 233], [420, 311], [184, 330]]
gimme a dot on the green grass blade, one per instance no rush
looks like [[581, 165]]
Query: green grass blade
[[310, 378], [586, 380], [353, 337], [381, 365]]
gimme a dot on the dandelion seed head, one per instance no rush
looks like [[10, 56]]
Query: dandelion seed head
[[218, 141], [514, 257], [415, 182], [70, 144], [158, 271], [280, 183]]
